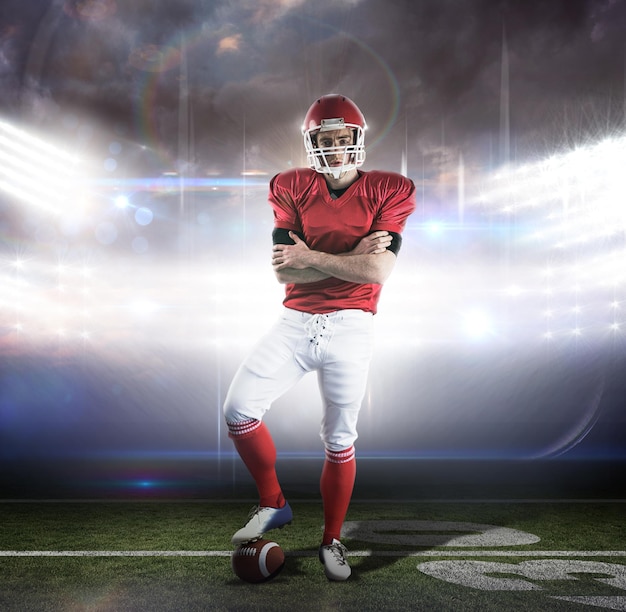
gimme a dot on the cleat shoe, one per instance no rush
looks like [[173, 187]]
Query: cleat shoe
[[261, 520], [333, 557]]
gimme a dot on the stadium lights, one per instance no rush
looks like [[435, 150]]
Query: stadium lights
[[142, 307], [567, 211], [478, 324], [36, 172], [580, 189], [538, 292], [206, 307], [122, 202]]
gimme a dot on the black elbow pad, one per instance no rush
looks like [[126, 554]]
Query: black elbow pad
[[281, 236], [396, 243]]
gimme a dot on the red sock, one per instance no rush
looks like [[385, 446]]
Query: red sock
[[336, 486], [256, 448]]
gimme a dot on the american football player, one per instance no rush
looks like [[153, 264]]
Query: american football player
[[337, 233]]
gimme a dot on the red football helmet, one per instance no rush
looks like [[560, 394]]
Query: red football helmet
[[328, 113]]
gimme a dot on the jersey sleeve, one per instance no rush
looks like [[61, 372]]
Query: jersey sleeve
[[397, 202], [282, 203]]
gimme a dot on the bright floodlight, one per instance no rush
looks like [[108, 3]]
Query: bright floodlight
[[122, 201], [143, 307], [575, 198], [477, 324], [37, 172]]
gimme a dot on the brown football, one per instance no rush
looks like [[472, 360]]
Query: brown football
[[258, 561]]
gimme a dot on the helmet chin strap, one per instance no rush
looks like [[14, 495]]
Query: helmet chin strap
[[337, 173]]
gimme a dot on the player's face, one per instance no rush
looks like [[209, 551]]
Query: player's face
[[336, 140]]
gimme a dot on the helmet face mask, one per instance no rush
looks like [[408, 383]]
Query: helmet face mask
[[333, 115]]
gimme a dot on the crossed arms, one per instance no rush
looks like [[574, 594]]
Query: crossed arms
[[369, 262]]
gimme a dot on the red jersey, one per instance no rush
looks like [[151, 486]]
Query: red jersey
[[303, 204]]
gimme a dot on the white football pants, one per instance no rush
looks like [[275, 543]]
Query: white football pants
[[338, 345]]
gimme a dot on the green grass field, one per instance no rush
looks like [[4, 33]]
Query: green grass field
[[175, 556]]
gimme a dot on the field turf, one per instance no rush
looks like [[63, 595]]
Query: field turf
[[175, 555]]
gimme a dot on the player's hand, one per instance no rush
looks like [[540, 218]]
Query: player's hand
[[295, 256], [376, 242]]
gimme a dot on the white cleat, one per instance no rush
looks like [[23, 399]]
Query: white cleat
[[261, 520], [333, 557]]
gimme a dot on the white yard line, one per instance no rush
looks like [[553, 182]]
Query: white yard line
[[306, 553], [251, 500]]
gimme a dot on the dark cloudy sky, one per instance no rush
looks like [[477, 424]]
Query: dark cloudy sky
[[218, 85]]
